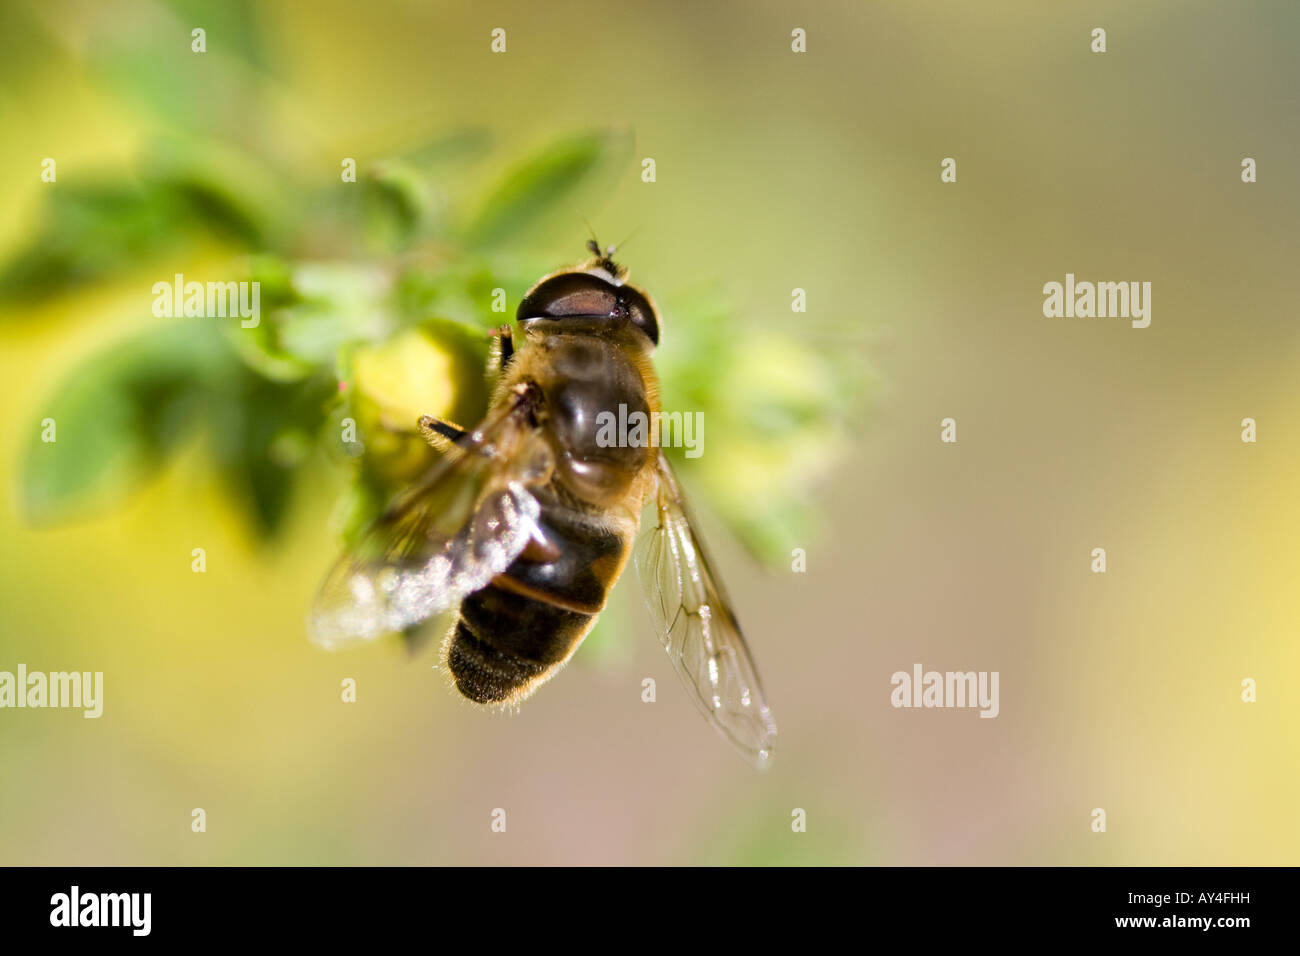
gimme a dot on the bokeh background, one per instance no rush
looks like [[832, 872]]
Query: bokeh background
[[774, 171]]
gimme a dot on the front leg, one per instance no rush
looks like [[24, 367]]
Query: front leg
[[436, 431], [503, 348]]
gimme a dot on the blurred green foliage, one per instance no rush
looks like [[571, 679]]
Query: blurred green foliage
[[375, 301], [412, 268]]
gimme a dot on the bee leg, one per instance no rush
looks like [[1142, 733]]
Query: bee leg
[[506, 349], [435, 431]]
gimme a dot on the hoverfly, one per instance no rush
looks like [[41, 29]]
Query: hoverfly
[[526, 521]]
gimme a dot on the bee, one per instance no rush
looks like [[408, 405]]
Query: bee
[[526, 521]]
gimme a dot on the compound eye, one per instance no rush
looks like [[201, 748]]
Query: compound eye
[[641, 313], [570, 294]]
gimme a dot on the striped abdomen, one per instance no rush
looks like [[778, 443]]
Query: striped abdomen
[[517, 631]]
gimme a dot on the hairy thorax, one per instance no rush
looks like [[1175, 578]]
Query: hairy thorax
[[580, 377]]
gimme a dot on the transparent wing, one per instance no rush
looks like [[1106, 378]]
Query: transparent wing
[[698, 627], [445, 537]]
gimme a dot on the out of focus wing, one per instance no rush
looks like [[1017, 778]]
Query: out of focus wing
[[698, 627], [446, 537]]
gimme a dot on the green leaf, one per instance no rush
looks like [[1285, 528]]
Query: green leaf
[[226, 191], [462, 291], [94, 230], [465, 143], [116, 419], [307, 312], [236, 26], [89, 231], [147, 59], [261, 431], [546, 182], [398, 205]]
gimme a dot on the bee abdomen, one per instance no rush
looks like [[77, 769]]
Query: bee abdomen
[[505, 643], [513, 633], [588, 555]]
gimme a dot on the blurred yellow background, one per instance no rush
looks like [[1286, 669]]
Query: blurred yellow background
[[774, 171]]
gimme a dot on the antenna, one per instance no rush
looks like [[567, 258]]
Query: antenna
[[613, 249], [594, 244], [606, 255]]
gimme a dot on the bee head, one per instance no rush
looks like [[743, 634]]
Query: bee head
[[595, 290], [605, 260]]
